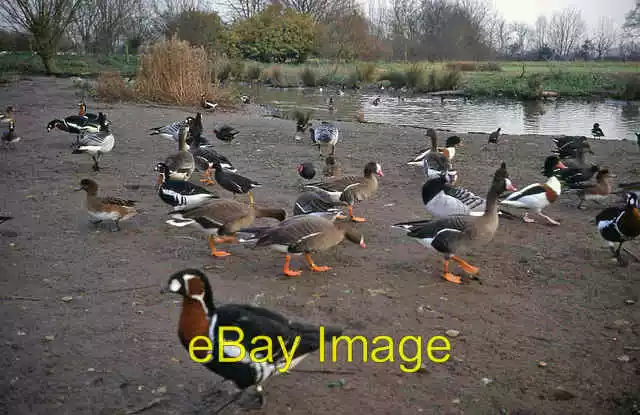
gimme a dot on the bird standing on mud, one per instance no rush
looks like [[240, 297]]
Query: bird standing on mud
[[619, 225], [9, 138], [493, 137], [106, 208], [208, 105], [226, 133]]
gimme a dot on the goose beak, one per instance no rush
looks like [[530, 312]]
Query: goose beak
[[509, 186], [560, 165], [380, 173], [362, 244]]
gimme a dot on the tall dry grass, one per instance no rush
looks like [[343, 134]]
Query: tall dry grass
[[111, 87]]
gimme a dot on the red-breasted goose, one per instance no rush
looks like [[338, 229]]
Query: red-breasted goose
[[619, 225]]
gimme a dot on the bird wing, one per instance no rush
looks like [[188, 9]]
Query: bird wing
[[219, 211], [338, 184], [468, 198], [116, 201], [530, 190], [313, 202], [293, 230], [186, 188], [100, 138]]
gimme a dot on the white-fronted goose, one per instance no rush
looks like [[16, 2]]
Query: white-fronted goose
[[325, 135], [204, 156], [181, 164], [596, 131], [352, 189], [10, 137], [96, 144], [537, 196], [220, 219], [309, 203], [305, 234], [106, 208], [598, 191], [441, 199], [200, 317], [454, 234], [180, 194], [619, 225]]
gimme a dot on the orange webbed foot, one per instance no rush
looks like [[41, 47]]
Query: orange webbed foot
[[220, 254], [208, 181], [291, 273], [340, 217], [468, 268], [322, 268], [358, 219], [452, 278]]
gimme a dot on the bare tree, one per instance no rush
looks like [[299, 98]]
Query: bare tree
[[520, 35], [45, 20], [604, 37], [321, 10], [565, 30], [541, 33], [245, 9]]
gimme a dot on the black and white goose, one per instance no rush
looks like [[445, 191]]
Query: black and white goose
[[206, 104], [180, 194], [78, 125], [617, 225], [171, 131], [442, 199], [200, 317], [96, 144], [205, 155]]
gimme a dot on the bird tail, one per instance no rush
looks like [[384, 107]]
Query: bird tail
[[411, 225], [507, 215], [251, 235], [278, 214], [310, 335]]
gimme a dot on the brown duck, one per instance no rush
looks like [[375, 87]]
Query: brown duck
[[453, 234], [352, 189], [304, 234], [331, 167], [106, 208], [598, 191], [220, 219]]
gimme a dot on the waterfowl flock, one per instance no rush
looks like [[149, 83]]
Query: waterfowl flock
[[458, 220]]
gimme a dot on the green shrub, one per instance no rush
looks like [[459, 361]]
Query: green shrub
[[308, 77], [254, 73], [396, 79], [490, 67], [462, 66], [414, 76]]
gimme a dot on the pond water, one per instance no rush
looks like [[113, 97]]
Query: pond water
[[618, 119]]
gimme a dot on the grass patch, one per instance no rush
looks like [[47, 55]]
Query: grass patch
[[308, 77], [254, 73]]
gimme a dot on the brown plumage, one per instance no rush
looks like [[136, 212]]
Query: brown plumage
[[7, 117], [106, 208], [220, 219], [352, 189], [306, 234], [331, 167], [598, 191]]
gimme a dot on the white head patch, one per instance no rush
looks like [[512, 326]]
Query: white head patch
[[175, 286]]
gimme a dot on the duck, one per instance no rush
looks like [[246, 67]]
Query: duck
[[576, 174], [575, 157], [352, 189], [226, 133], [207, 105], [436, 160], [493, 137], [566, 146], [454, 234], [96, 144], [596, 192], [632, 187], [245, 99], [305, 234], [306, 170], [204, 155], [180, 194], [220, 219], [441, 199], [10, 137], [596, 131], [233, 182], [172, 131], [331, 167], [332, 107], [200, 317], [78, 125], [106, 208], [313, 203], [341, 90], [326, 134], [7, 117], [537, 196], [376, 101], [4, 219], [619, 225], [181, 164], [83, 112], [302, 123]]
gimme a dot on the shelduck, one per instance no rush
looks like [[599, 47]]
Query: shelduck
[[10, 137], [537, 196], [96, 144], [325, 135], [200, 317], [226, 133], [205, 155], [596, 131], [454, 234], [180, 194], [181, 164], [352, 189], [618, 225], [106, 208]]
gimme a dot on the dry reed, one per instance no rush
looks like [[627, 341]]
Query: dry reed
[[111, 87]]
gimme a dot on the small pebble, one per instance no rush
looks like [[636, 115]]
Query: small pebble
[[542, 363], [456, 401], [67, 298], [49, 338], [486, 381], [624, 358], [91, 369], [452, 333], [629, 302]]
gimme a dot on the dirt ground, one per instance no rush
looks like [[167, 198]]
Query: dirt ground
[[86, 330]]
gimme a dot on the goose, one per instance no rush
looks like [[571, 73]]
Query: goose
[[245, 99], [325, 134], [208, 105], [200, 317], [181, 164], [83, 112], [577, 154], [597, 192], [493, 137], [171, 131], [352, 189], [204, 156], [619, 225], [78, 125], [454, 234], [302, 122], [441, 199], [596, 131], [306, 170], [304, 234], [9, 137], [434, 160], [7, 117], [226, 133], [310, 203], [96, 144], [180, 194], [106, 208], [537, 196], [566, 147], [233, 182], [331, 167], [220, 219]]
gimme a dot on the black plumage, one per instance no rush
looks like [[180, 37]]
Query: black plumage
[[596, 131], [619, 225], [576, 174], [226, 133], [181, 194], [233, 182], [316, 202], [306, 170], [3, 219], [493, 137]]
